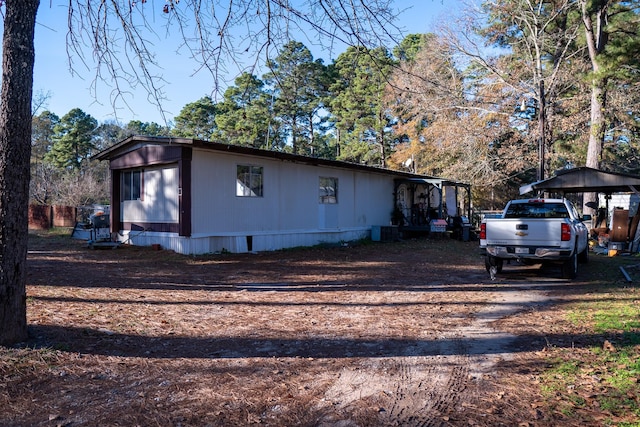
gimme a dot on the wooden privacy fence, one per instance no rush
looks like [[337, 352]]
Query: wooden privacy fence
[[42, 217]]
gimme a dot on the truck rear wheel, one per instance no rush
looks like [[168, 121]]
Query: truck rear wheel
[[570, 267], [583, 257]]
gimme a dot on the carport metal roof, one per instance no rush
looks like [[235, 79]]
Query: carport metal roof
[[586, 180]]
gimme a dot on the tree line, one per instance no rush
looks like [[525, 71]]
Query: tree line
[[496, 109], [299, 105]]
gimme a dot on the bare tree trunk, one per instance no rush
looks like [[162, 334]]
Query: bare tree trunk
[[596, 137], [15, 151], [597, 127], [294, 134], [596, 38], [380, 136], [312, 140]]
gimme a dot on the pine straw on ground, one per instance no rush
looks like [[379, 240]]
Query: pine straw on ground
[[136, 336]]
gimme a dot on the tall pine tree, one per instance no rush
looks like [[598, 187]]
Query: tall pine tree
[[361, 117], [73, 140]]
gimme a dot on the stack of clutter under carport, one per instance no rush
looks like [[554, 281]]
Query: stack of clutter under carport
[[619, 236], [619, 233]]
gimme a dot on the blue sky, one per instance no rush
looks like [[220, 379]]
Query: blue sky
[[183, 85]]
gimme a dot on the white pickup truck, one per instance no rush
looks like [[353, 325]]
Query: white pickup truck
[[536, 231]]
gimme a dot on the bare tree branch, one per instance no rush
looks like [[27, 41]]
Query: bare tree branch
[[117, 38]]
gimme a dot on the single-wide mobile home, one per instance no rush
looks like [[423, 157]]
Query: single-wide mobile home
[[197, 197]]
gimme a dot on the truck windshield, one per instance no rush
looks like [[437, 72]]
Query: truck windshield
[[537, 210]]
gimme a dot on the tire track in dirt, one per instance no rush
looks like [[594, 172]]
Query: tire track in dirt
[[427, 388], [423, 396]]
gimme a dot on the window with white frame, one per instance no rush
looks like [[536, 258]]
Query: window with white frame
[[249, 181], [328, 190], [132, 185]]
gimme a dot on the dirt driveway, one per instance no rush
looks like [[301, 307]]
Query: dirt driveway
[[402, 333]]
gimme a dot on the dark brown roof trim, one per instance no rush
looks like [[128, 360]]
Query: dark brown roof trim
[[134, 141]]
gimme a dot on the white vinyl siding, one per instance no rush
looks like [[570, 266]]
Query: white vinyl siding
[[290, 198]]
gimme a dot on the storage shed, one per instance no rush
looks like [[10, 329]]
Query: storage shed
[[196, 197]]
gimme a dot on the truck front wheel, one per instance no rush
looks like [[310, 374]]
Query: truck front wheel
[[570, 267]]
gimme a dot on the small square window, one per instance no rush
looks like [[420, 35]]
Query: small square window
[[328, 190], [249, 181]]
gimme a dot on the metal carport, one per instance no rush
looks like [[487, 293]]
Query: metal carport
[[589, 180], [586, 180]]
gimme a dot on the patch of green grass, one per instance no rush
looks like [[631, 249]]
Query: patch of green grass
[[594, 378], [570, 367], [607, 315], [617, 317], [578, 401], [599, 383], [52, 232], [622, 368]]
